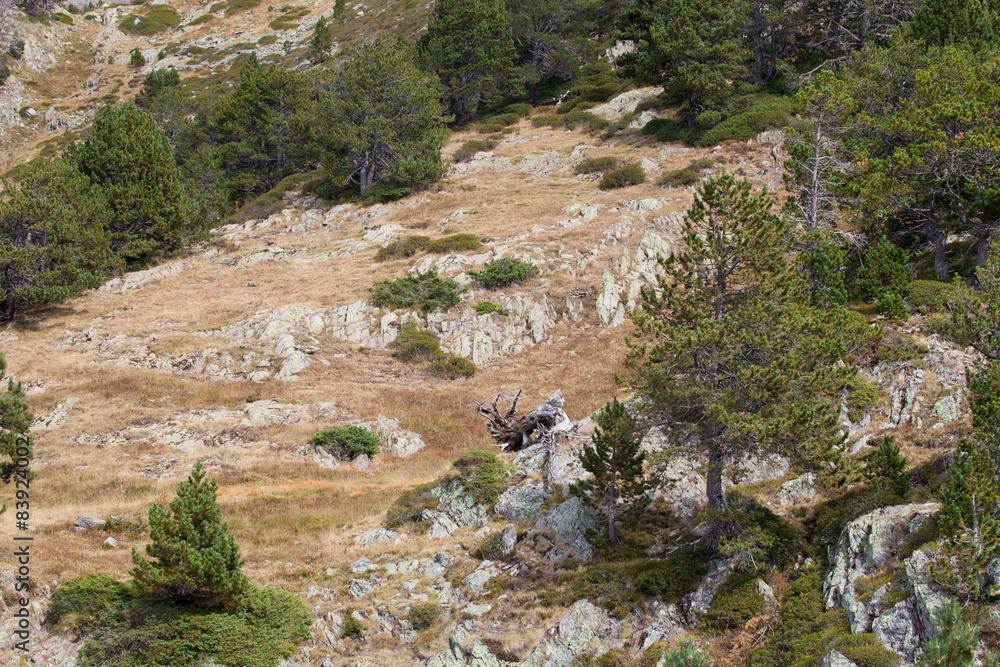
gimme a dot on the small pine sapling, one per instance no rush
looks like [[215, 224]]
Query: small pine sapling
[[885, 467], [615, 459]]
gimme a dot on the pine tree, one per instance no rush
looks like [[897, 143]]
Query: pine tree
[[615, 458], [730, 345], [693, 48], [339, 10], [128, 158], [321, 42], [197, 560], [52, 238], [469, 46], [379, 117], [956, 643], [971, 22], [15, 421]]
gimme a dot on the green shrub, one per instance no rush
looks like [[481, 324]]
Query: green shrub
[[401, 248], [689, 175], [425, 291], [675, 576], [487, 307], [520, 109], [454, 243], [489, 547], [598, 89], [733, 606], [386, 190], [204, 18], [422, 616], [4, 71], [504, 272], [885, 467], [483, 475], [138, 632], [267, 40], [930, 296], [62, 18], [469, 149], [79, 603], [755, 536], [452, 367], [16, 49], [505, 119], [596, 164], [352, 628], [631, 174], [862, 397], [767, 112], [685, 655], [410, 506], [490, 128], [136, 58], [589, 121], [552, 120], [234, 6], [346, 442], [413, 343], [883, 272], [158, 19]]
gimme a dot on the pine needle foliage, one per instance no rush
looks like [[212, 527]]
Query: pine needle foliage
[[15, 420], [197, 561], [615, 458]]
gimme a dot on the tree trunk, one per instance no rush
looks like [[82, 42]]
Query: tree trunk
[[983, 246], [713, 478], [939, 238], [610, 498]]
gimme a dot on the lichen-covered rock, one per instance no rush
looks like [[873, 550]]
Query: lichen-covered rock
[[586, 628], [682, 486], [508, 539], [837, 659], [896, 629], [928, 597], [441, 526], [946, 408], [375, 536], [395, 440], [565, 527], [667, 624], [798, 490], [719, 572], [460, 505], [522, 502]]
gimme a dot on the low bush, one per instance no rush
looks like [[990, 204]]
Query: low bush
[[733, 606], [596, 164], [452, 367], [674, 576], [422, 616], [352, 627], [482, 474], [688, 175], [4, 71], [126, 629], [930, 296], [551, 120], [504, 119], [414, 343], [401, 248], [487, 307], [386, 190], [504, 272], [885, 467], [468, 150], [490, 128], [235, 6], [425, 291], [765, 112], [410, 506], [158, 19], [489, 547], [685, 654], [591, 122], [521, 109], [346, 442], [204, 18], [884, 271], [16, 49], [626, 176], [136, 58], [454, 243]]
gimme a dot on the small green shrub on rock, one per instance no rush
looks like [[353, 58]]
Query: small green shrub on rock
[[631, 174], [504, 119], [410, 506], [401, 248], [352, 628], [454, 243], [520, 109], [422, 616], [689, 175], [674, 576], [468, 150], [487, 307], [425, 291], [884, 277], [346, 442], [732, 607], [885, 467], [930, 296], [136, 58], [551, 120], [685, 655], [504, 272], [596, 164], [483, 475], [452, 367], [414, 343]]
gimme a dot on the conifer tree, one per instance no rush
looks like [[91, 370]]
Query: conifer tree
[[321, 42], [730, 345], [380, 117], [15, 421], [52, 238], [469, 46], [956, 644], [615, 458], [944, 22], [128, 158], [339, 10], [197, 561]]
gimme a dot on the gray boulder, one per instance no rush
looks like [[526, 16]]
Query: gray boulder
[[719, 572], [459, 504], [896, 629], [442, 525], [668, 624], [374, 536], [361, 461], [395, 440], [508, 539], [565, 527], [797, 490], [837, 659], [586, 628], [522, 502]]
